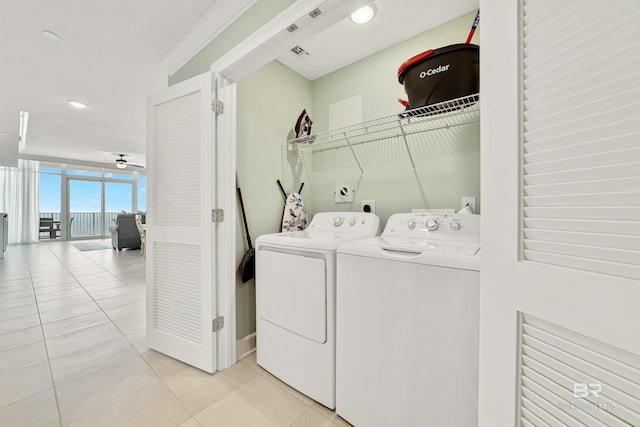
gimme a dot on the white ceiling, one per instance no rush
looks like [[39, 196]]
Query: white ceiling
[[396, 20], [112, 54]]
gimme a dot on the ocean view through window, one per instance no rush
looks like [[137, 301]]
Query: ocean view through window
[[82, 202]]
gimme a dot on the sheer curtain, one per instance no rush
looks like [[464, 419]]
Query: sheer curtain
[[19, 198]]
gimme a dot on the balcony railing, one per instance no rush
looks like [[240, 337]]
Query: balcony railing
[[84, 224]]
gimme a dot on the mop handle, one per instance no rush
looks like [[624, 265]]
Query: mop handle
[[284, 193], [473, 27]]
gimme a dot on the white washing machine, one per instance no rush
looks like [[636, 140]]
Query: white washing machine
[[407, 323], [295, 300]]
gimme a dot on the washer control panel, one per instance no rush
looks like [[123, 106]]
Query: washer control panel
[[364, 223], [434, 226]]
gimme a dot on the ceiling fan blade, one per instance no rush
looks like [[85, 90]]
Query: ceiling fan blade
[[122, 163]]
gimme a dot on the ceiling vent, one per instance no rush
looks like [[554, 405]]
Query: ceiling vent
[[315, 13], [299, 51]]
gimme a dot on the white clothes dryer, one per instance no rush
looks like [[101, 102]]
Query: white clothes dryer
[[295, 300], [407, 323]]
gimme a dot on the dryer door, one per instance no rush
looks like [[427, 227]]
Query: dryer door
[[293, 291]]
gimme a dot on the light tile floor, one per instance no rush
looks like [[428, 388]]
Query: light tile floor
[[73, 353]]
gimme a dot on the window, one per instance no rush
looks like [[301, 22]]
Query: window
[[50, 194], [142, 193], [94, 196], [84, 172], [118, 175]]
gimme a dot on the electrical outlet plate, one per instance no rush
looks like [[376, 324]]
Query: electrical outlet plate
[[369, 206], [344, 192], [469, 200]]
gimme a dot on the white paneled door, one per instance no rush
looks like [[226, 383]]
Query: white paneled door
[[560, 274], [180, 246]]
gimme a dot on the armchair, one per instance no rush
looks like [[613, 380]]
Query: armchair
[[142, 232], [124, 234]]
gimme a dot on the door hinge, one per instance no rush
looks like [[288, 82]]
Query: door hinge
[[217, 324], [217, 215], [217, 106]]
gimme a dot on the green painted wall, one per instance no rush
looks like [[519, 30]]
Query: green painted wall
[[257, 16], [375, 77], [447, 161], [269, 102]]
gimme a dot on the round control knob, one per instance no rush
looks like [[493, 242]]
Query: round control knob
[[337, 221], [432, 225], [352, 221], [455, 225], [411, 224]]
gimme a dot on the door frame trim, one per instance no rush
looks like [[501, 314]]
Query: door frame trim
[[263, 46]]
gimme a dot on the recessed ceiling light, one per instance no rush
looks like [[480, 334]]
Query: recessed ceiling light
[[364, 14], [50, 35], [77, 104]]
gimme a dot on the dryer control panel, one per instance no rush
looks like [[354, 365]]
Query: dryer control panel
[[434, 226], [364, 223]]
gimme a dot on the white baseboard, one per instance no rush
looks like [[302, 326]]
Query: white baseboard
[[246, 346]]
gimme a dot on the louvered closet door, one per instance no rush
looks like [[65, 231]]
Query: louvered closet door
[[180, 250], [560, 274]]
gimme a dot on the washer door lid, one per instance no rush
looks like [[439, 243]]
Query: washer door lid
[[294, 293]]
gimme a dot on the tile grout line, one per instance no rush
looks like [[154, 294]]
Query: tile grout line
[[269, 376], [22, 329], [30, 277], [166, 386], [61, 262], [137, 354], [89, 294], [110, 403], [44, 341]]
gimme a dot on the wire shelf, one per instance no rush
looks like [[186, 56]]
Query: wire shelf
[[454, 112]]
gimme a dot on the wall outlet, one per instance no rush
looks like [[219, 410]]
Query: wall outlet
[[344, 192], [369, 206], [468, 200]]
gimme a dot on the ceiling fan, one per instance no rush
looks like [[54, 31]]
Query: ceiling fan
[[121, 163]]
